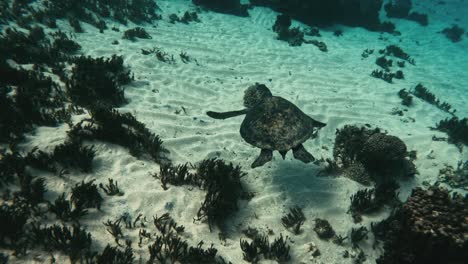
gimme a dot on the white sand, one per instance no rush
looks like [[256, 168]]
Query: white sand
[[233, 53]]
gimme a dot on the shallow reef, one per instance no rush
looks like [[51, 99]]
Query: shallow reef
[[428, 228]]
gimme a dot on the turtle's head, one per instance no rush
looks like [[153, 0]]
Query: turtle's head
[[255, 94]]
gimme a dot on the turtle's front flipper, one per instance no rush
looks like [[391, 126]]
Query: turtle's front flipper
[[301, 154], [224, 115], [265, 156]]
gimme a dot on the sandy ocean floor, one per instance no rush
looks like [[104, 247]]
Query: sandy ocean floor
[[233, 53]]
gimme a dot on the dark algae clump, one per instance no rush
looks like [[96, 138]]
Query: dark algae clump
[[98, 81]]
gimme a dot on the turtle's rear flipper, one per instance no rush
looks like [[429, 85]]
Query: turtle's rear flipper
[[265, 156], [300, 153], [318, 123], [224, 115]]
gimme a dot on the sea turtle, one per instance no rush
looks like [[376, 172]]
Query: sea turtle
[[273, 123]]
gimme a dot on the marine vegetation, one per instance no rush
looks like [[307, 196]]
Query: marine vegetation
[[260, 246], [168, 246], [423, 93], [220, 180], [71, 154], [186, 18], [63, 43], [114, 229], [98, 81], [94, 11], [112, 255], [165, 224], [388, 77], [72, 241], [13, 218], [406, 98], [456, 129], [35, 100], [13, 169], [112, 188], [394, 50], [86, 195], [362, 202], [455, 177], [134, 33], [109, 125], [223, 189], [294, 219], [384, 63], [66, 210], [358, 234]]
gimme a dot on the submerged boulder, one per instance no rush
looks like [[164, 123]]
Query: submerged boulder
[[398, 8], [430, 227], [370, 155], [362, 13], [233, 7]]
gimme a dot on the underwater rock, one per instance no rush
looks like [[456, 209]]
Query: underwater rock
[[134, 33], [422, 19], [232, 7], [282, 22], [389, 27], [430, 227], [398, 8], [323, 229], [294, 36], [319, 44], [454, 33], [371, 153], [361, 13], [382, 151]]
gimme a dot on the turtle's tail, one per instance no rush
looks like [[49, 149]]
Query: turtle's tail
[[224, 115]]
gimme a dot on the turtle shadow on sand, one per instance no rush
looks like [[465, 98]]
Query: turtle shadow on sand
[[303, 187], [273, 123]]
